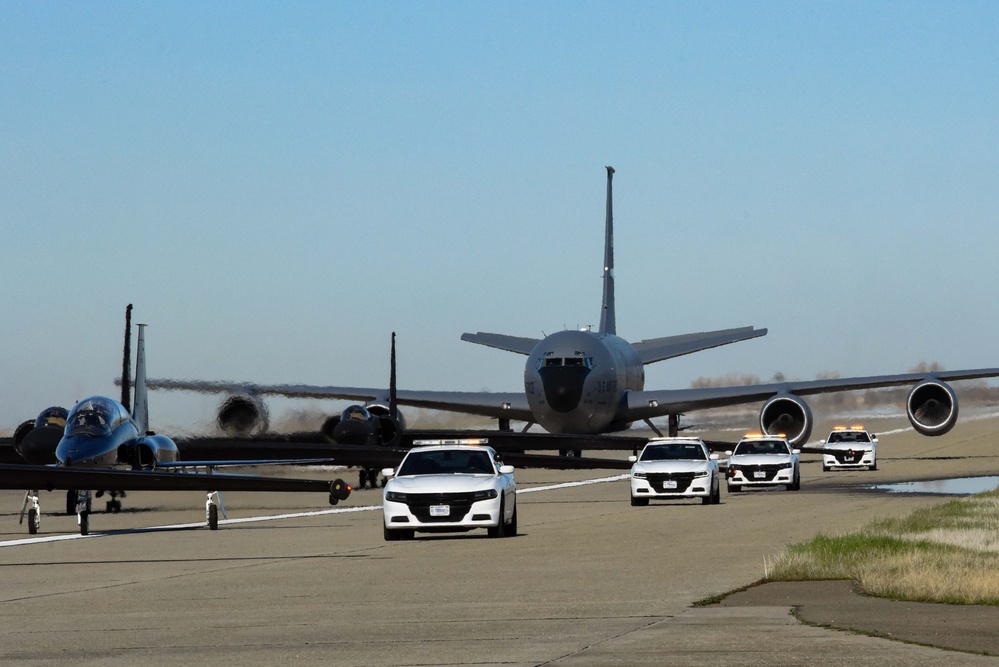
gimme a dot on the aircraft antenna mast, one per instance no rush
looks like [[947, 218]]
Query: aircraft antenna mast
[[608, 322], [126, 364]]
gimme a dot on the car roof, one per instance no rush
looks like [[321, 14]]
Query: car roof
[[439, 448]]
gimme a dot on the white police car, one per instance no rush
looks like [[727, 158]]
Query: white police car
[[850, 447], [763, 460], [449, 488], [675, 468]]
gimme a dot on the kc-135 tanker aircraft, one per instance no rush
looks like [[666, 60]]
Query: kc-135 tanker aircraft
[[586, 383]]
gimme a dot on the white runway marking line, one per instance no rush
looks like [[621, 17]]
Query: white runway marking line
[[274, 517]]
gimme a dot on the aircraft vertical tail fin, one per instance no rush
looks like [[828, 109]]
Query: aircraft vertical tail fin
[[126, 364], [608, 323], [393, 398], [140, 410]]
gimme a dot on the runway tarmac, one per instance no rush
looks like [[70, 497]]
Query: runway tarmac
[[590, 580]]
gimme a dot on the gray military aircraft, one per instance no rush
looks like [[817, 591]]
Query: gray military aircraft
[[589, 382]]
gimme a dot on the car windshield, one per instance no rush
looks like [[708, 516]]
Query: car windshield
[[762, 447], [674, 451], [447, 461], [849, 436]]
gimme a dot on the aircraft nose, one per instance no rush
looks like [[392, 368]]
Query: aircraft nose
[[563, 386], [351, 432]]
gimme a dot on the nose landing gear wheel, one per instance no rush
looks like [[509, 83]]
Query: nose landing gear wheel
[[33, 521], [213, 517]]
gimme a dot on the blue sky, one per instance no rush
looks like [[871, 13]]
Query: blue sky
[[278, 186]]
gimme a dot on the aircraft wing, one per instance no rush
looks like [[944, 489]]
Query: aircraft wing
[[66, 478], [647, 404], [502, 341], [658, 349], [511, 405]]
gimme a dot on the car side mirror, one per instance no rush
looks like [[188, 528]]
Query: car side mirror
[[632, 459], [795, 451], [728, 452], [388, 472], [822, 442], [714, 457], [506, 470]]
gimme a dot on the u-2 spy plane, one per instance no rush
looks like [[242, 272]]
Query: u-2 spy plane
[[582, 383], [101, 436]]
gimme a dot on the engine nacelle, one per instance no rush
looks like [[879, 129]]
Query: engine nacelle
[[145, 452], [242, 414], [932, 407], [787, 414]]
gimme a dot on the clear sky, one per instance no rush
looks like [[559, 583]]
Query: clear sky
[[278, 186]]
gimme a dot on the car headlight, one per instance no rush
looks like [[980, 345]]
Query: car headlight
[[639, 475], [395, 497], [484, 495], [784, 466], [702, 473]]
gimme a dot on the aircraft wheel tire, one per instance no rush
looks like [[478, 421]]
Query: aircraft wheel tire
[[84, 523], [70, 502], [32, 521], [213, 517], [639, 502]]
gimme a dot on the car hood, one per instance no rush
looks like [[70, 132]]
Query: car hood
[[669, 466], [451, 483], [759, 459], [850, 446]]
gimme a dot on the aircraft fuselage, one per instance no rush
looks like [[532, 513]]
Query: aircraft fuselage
[[575, 381]]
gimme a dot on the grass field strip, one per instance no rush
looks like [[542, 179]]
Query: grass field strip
[[273, 517]]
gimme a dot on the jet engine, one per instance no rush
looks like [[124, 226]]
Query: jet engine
[[147, 451], [932, 407], [787, 414], [242, 414]]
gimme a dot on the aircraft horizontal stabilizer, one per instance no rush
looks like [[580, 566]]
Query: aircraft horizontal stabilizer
[[658, 349], [502, 342]]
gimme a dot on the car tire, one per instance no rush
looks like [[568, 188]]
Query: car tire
[[639, 502], [796, 484], [716, 498], [825, 468], [499, 530], [511, 528], [873, 466], [734, 488]]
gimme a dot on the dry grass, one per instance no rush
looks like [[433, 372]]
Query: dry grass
[[945, 553]]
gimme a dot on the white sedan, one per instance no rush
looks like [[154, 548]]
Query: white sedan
[[763, 460], [675, 468], [450, 488], [850, 447]]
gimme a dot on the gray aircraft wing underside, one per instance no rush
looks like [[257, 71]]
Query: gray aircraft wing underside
[[511, 405], [502, 341], [647, 404], [658, 349]]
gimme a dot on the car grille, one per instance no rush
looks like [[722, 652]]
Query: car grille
[[769, 469], [419, 504], [657, 479], [847, 457]]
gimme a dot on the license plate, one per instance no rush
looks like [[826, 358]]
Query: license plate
[[440, 510], [849, 459], [669, 484], [759, 474]]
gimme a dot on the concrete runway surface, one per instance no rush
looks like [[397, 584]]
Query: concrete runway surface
[[589, 581]]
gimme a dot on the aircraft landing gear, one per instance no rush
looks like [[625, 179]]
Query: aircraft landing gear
[[83, 502], [71, 501], [368, 476], [114, 505], [34, 511], [212, 506]]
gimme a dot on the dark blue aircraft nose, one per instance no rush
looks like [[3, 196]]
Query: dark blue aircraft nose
[[563, 386], [352, 432]]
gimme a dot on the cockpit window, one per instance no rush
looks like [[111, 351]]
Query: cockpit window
[[54, 416], [674, 451], [355, 412], [447, 461], [553, 361], [94, 417]]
